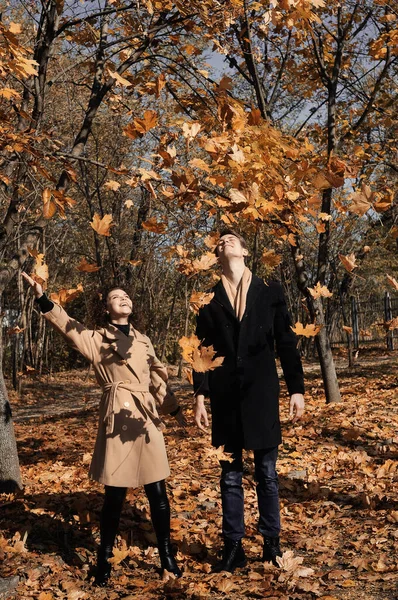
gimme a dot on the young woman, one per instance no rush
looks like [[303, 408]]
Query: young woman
[[129, 449]]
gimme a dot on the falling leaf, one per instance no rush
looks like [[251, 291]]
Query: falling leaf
[[154, 226], [348, 261], [120, 80], [49, 207], [112, 185], [270, 258], [190, 130], [361, 200], [206, 261], [392, 282], [135, 263], [86, 267], [237, 155], [199, 299], [102, 226], [347, 329], [138, 127], [320, 290], [201, 358], [119, 556], [64, 296], [310, 330], [219, 453], [15, 330]]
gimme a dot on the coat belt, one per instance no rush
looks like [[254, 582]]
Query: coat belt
[[109, 397]]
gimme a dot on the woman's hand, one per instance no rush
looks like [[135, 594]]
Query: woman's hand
[[37, 289]]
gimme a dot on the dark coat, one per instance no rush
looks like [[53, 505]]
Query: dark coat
[[244, 391]]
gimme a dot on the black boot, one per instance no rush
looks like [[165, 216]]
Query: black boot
[[271, 549], [167, 559], [104, 568], [109, 523], [233, 557], [160, 515]]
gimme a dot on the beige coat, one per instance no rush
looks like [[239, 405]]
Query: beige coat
[[129, 449]]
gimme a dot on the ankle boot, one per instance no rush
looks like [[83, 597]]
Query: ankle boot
[[233, 557], [271, 549], [104, 567], [167, 559]]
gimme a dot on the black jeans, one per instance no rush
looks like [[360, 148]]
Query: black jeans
[[233, 526]]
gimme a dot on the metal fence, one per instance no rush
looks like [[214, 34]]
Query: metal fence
[[368, 322]]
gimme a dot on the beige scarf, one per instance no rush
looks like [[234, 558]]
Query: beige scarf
[[237, 295]]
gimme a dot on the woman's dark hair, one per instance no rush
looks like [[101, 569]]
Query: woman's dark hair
[[97, 309], [234, 233]]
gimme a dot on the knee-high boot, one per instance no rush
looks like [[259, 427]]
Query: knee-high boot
[[160, 515], [109, 523]]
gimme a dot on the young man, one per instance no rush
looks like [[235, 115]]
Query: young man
[[244, 321]]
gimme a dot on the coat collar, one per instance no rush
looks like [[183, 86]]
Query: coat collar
[[131, 348], [220, 295]]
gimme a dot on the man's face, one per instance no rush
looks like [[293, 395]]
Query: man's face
[[229, 246]]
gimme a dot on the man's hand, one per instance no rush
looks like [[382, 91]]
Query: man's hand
[[296, 406], [37, 289], [201, 413]]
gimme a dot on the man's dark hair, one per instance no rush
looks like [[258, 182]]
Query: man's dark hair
[[234, 233]]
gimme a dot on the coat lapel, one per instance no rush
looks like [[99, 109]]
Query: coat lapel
[[131, 348], [253, 291], [220, 296]]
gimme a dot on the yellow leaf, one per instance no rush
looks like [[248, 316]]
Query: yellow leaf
[[102, 226], [270, 258]]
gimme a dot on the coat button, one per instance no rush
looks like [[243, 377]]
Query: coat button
[[124, 427], [126, 404]]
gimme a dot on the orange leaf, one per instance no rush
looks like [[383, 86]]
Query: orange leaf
[[112, 185], [101, 226], [86, 267], [270, 258], [320, 290], [347, 329], [199, 299], [154, 226], [392, 282], [201, 358], [64, 295], [310, 330], [348, 261]]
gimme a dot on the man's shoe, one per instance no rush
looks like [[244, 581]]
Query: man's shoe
[[271, 549], [167, 559], [104, 568], [233, 557]]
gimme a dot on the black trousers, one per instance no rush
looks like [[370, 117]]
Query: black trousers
[[112, 508], [232, 497]]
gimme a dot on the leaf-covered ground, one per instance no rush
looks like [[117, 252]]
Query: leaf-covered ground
[[338, 484]]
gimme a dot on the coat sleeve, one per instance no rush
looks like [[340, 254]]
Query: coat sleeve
[[77, 335], [201, 380], [286, 345], [164, 396]]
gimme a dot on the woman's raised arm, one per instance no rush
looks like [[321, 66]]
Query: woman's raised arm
[[75, 332]]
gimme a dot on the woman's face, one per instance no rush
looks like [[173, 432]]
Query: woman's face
[[119, 304]]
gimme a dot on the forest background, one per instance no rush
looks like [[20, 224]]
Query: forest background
[[132, 131]]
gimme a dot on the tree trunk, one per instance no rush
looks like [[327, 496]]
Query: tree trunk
[[323, 347], [10, 475]]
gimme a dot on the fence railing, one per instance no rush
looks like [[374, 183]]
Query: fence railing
[[368, 322]]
